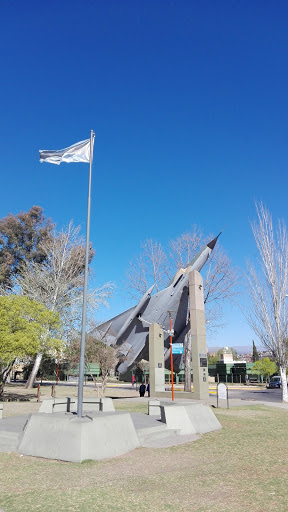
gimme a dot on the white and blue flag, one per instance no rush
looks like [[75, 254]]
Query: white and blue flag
[[79, 152]]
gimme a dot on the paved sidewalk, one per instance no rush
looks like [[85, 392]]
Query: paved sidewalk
[[238, 402], [212, 401]]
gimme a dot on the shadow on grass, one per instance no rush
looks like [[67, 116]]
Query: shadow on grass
[[16, 397], [120, 398]]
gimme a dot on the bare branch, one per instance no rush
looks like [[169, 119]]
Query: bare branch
[[151, 267], [185, 247], [154, 266], [58, 282], [267, 287]]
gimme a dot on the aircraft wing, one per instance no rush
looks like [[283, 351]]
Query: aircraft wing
[[108, 331], [134, 342]]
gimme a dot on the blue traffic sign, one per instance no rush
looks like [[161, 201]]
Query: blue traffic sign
[[177, 348]]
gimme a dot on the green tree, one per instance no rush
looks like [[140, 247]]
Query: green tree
[[23, 325], [255, 353], [265, 367], [21, 238], [212, 358], [50, 363]]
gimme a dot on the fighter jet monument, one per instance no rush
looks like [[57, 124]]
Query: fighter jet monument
[[129, 331]]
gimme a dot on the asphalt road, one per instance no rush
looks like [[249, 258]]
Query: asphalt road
[[267, 395], [240, 393]]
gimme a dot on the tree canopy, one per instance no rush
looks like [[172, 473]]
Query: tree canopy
[[23, 325], [265, 367], [21, 238], [58, 283]]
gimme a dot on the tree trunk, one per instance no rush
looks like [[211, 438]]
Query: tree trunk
[[93, 379], [4, 373], [284, 383], [104, 382], [187, 363], [33, 374]]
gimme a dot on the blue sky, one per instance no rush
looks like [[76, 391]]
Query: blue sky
[[188, 101]]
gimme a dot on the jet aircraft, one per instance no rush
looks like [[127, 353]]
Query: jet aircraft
[[128, 332]]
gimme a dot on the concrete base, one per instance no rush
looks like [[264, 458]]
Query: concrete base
[[202, 418], [106, 404], [8, 441], [56, 405], [69, 438], [154, 408], [103, 435], [177, 394], [189, 418], [176, 417], [89, 405]]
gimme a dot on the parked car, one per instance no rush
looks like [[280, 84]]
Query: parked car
[[275, 382]]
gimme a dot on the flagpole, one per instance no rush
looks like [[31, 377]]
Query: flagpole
[[83, 332]]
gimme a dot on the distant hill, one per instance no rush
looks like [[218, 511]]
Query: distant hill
[[241, 349]]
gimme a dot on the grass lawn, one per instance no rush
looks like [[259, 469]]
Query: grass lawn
[[243, 467]]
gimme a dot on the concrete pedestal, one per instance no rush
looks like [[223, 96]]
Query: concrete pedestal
[[55, 405], [154, 408], [176, 417], [156, 359], [198, 336], [189, 418], [69, 438]]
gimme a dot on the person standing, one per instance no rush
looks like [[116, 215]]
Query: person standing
[[133, 380], [142, 389]]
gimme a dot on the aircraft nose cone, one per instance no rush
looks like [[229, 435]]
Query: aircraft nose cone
[[212, 244]]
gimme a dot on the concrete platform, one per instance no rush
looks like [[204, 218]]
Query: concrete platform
[[102, 435], [55, 405], [176, 417], [72, 439], [11, 431], [151, 430]]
